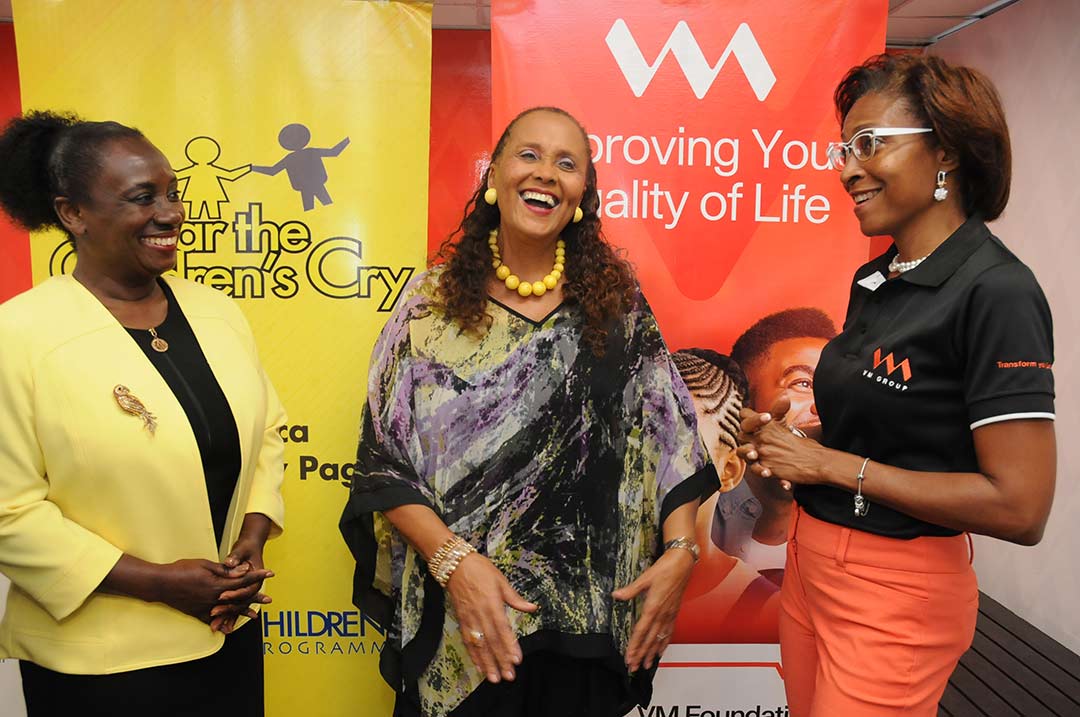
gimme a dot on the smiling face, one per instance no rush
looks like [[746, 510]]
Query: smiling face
[[540, 175], [893, 190], [128, 229], [787, 369]]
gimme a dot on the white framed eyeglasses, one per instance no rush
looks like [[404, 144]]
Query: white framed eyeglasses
[[864, 142]]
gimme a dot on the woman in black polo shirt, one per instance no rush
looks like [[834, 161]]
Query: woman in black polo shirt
[[942, 372]]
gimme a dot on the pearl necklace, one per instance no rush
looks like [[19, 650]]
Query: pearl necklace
[[525, 288], [900, 267]]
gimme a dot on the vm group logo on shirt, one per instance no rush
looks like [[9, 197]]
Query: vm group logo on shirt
[[684, 46], [891, 366]]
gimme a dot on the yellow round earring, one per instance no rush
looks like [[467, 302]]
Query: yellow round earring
[[578, 215], [491, 196]]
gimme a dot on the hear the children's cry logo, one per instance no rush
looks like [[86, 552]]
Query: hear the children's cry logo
[[304, 164], [204, 191], [256, 249]]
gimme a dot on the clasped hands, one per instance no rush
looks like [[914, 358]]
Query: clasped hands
[[772, 449], [216, 593], [245, 564], [480, 594]]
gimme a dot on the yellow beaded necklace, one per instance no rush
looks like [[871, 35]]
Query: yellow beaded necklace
[[524, 288]]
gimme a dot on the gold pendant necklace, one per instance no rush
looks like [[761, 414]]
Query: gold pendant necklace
[[157, 343]]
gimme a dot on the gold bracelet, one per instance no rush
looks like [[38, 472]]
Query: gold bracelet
[[446, 559], [448, 566], [440, 555]]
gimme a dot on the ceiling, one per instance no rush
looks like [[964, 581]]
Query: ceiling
[[912, 23], [918, 23]]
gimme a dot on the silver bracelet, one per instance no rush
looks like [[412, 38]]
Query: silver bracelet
[[684, 543], [862, 505]]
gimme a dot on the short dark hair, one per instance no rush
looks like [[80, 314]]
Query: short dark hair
[[804, 322], [45, 155], [962, 106]]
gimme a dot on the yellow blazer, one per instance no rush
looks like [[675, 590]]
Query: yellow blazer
[[82, 482]]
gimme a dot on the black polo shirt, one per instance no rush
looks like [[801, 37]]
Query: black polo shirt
[[960, 341]]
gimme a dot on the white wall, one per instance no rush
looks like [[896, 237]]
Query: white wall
[[1031, 50], [11, 699]]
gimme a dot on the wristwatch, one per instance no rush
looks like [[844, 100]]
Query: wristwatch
[[684, 543]]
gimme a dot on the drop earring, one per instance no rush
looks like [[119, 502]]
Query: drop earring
[[940, 192]]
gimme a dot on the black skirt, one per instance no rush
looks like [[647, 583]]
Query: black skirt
[[229, 682], [550, 684]]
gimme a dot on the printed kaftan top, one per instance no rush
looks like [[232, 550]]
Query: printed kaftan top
[[556, 464]]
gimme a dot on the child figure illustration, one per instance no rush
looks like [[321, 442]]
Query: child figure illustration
[[304, 164], [204, 192]]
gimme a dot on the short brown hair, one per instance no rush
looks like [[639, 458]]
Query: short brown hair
[[962, 106]]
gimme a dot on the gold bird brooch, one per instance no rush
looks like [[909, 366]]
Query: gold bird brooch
[[131, 404]]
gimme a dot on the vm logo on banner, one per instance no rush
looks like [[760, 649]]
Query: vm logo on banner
[[682, 44]]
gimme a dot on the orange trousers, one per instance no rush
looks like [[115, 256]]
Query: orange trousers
[[872, 626]]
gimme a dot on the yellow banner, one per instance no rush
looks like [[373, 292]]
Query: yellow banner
[[300, 133]]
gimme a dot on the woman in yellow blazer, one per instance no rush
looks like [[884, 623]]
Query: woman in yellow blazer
[[140, 460]]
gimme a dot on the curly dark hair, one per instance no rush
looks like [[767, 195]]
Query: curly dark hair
[[45, 155], [599, 280], [962, 106]]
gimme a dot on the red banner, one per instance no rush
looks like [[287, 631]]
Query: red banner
[[460, 125], [708, 124], [14, 242]]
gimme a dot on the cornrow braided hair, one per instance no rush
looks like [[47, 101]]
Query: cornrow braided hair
[[719, 386]]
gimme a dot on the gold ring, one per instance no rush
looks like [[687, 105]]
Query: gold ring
[[477, 636]]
